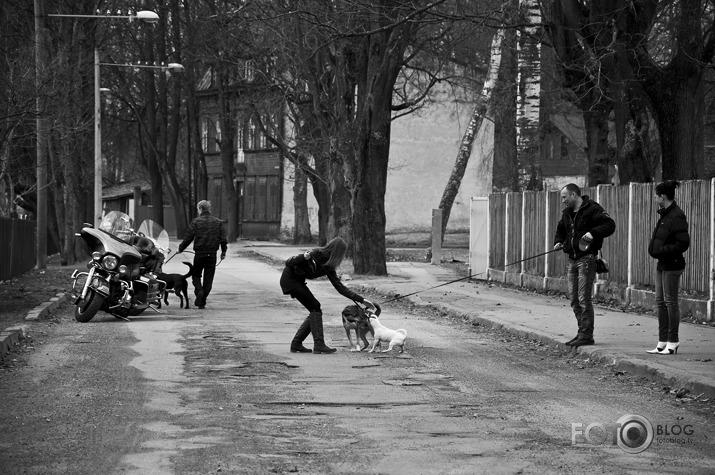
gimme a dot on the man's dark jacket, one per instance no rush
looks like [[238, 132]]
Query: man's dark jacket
[[207, 233], [670, 239], [590, 218]]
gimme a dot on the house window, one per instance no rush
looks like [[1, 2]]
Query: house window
[[271, 123], [255, 138], [565, 142], [240, 156], [249, 70], [252, 132], [260, 140], [210, 135]]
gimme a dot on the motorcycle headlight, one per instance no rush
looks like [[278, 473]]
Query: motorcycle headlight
[[110, 262], [122, 270], [97, 256]]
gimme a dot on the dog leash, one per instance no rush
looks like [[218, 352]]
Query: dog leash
[[176, 254], [191, 252], [465, 278]]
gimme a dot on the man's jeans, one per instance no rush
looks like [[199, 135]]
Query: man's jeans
[[667, 283], [203, 263], [581, 276]]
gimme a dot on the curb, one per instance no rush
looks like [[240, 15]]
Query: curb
[[11, 336], [620, 362]]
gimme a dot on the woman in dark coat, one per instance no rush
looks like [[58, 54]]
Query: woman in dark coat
[[322, 261], [670, 240]]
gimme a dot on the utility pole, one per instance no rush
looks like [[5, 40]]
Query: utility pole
[[41, 157]]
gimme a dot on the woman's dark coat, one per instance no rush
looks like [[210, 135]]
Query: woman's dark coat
[[670, 239], [298, 269]]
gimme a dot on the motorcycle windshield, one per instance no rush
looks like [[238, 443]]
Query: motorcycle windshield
[[153, 230], [117, 224]]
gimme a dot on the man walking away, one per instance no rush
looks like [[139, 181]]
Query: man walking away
[[582, 221], [208, 234]]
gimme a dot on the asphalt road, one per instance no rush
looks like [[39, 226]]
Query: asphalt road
[[217, 391]]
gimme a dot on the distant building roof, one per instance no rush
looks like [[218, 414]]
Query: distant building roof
[[126, 188]]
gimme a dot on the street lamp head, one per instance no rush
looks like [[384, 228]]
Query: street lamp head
[[175, 67], [147, 16]]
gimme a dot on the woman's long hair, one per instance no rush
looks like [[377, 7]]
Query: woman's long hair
[[335, 249]]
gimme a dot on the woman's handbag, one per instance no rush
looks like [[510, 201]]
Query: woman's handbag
[[601, 264]]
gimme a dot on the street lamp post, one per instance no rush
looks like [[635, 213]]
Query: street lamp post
[[41, 138], [97, 143], [145, 16]]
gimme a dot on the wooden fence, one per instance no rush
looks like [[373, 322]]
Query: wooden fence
[[17, 247], [523, 225]]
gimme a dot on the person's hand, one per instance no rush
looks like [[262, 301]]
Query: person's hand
[[558, 246], [588, 237], [223, 255], [306, 255], [368, 304]]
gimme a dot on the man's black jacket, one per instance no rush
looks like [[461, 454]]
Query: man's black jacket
[[590, 218], [207, 233]]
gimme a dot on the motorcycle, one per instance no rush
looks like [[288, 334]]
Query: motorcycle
[[122, 272]]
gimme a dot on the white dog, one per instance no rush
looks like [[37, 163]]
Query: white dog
[[393, 337]]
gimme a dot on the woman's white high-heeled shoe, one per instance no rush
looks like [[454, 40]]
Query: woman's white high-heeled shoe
[[658, 349], [671, 348]]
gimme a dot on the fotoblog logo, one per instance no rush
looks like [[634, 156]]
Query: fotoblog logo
[[632, 433]]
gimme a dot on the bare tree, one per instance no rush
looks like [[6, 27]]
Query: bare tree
[[483, 108], [363, 64], [642, 59]]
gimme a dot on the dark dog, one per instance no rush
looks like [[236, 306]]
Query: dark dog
[[179, 284], [356, 318]]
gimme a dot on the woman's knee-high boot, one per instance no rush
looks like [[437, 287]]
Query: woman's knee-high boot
[[316, 328], [296, 346]]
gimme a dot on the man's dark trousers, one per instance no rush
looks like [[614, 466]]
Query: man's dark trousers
[[203, 263]]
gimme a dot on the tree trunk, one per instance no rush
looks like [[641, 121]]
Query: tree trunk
[[74, 216], [301, 232], [56, 211], [320, 181], [596, 123], [174, 123], [227, 118], [152, 136], [505, 164], [484, 103], [636, 163], [341, 209], [368, 179], [680, 124], [528, 116], [676, 93]]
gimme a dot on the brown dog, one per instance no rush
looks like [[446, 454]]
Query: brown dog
[[178, 284], [356, 318]]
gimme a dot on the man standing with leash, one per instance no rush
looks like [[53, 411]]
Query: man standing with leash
[[580, 233], [208, 234]]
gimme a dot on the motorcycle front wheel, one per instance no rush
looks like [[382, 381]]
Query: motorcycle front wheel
[[88, 307]]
